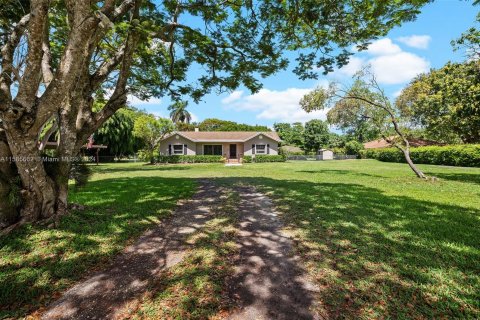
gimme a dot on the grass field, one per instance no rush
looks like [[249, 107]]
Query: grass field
[[378, 241]]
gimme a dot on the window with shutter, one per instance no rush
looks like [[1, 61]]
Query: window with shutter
[[268, 149], [253, 149], [169, 149], [177, 149], [261, 148], [185, 149]]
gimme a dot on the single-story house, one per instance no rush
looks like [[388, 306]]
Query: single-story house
[[230, 144]]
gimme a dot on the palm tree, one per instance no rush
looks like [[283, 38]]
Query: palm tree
[[179, 113]]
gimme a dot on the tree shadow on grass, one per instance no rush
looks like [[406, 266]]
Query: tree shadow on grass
[[341, 172], [460, 177], [375, 255], [38, 261], [371, 254], [146, 167]]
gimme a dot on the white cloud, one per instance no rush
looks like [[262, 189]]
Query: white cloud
[[383, 46], [134, 101], [194, 117], [389, 63], [416, 41], [158, 114], [275, 105], [398, 68], [353, 66], [235, 95]]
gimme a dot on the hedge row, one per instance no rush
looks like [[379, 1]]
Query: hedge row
[[455, 155], [264, 158], [189, 159]]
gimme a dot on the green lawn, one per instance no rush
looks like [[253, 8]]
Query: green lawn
[[378, 241]]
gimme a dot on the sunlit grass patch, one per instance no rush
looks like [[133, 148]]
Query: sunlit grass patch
[[37, 262]]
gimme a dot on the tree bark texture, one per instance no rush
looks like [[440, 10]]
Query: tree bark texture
[[67, 97]]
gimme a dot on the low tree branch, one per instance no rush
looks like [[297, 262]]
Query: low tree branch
[[119, 96], [7, 53], [106, 68], [30, 81]]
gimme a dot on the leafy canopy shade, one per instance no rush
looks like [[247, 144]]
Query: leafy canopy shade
[[59, 56]]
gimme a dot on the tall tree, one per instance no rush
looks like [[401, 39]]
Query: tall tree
[[151, 131], [58, 55], [291, 134], [445, 102], [117, 133], [375, 106], [179, 112], [282, 129], [316, 135], [351, 120]]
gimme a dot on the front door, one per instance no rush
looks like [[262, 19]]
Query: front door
[[233, 151]]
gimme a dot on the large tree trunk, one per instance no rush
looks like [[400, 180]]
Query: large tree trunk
[[68, 93], [39, 192], [8, 205]]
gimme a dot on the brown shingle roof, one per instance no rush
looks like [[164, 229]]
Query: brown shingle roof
[[234, 136]]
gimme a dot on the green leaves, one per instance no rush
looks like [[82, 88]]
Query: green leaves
[[117, 133], [316, 135], [235, 43], [445, 102], [179, 112]]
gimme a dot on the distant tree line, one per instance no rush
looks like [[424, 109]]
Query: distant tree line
[[315, 135], [213, 124]]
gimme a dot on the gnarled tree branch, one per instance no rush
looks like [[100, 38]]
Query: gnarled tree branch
[[7, 53], [30, 81]]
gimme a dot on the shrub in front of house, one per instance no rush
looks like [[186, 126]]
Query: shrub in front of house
[[266, 158], [247, 159], [466, 155], [189, 159]]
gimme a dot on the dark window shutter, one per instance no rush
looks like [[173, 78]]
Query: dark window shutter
[[169, 149], [184, 149], [268, 149], [253, 149]]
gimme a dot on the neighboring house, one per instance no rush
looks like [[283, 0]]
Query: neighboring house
[[382, 143], [230, 144]]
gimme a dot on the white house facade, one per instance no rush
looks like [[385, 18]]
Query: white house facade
[[230, 144]]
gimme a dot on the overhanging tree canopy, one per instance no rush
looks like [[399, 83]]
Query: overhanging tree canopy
[[58, 56]]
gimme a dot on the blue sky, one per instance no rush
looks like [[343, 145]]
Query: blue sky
[[413, 48]]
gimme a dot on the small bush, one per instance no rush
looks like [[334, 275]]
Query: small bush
[[80, 172], [189, 159], [269, 158], [247, 159], [353, 147], [290, 151], [454, 155], [339, 151]]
